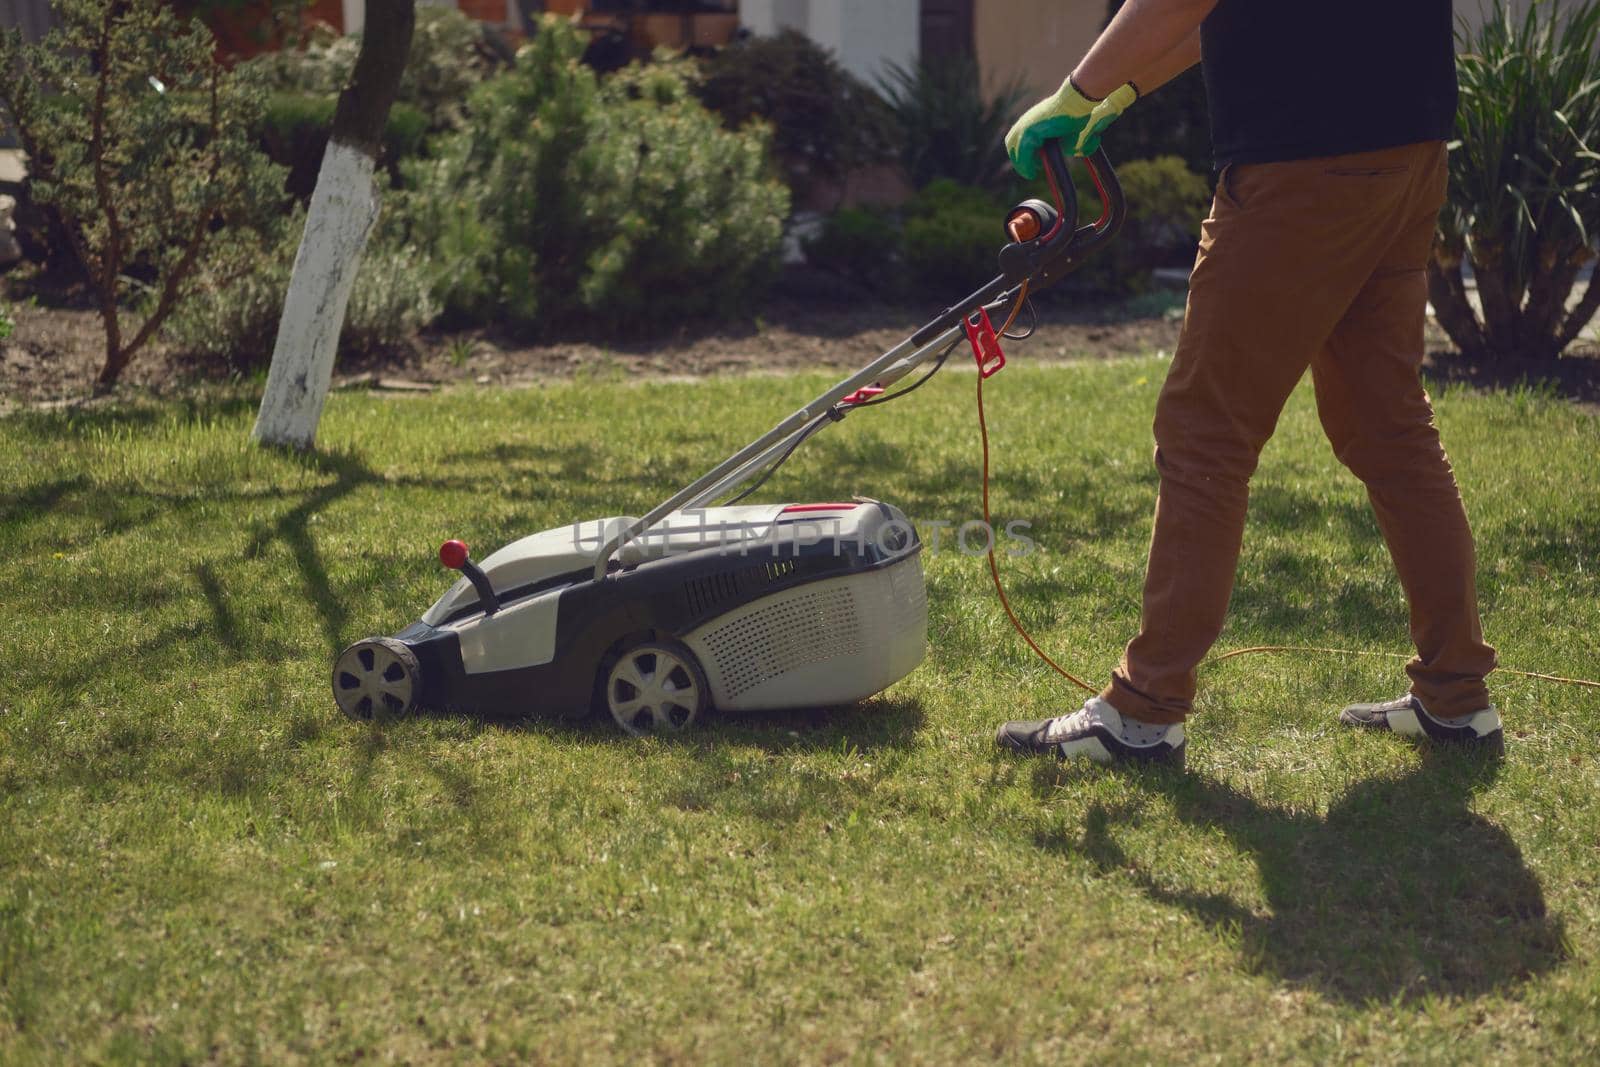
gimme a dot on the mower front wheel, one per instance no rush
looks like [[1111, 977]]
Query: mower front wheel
[[374, 677], [655, 687]]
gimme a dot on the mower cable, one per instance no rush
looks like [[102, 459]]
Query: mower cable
[[812, 427], [938, 365], [994, 566], [1033, 322], [1312, 649], [994, 573]]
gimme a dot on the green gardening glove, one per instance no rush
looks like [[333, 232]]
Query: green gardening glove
[[1069, 116]]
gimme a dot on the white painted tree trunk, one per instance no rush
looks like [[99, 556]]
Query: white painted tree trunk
[[343, 209]]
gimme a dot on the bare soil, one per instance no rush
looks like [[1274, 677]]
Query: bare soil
[[54, 354]]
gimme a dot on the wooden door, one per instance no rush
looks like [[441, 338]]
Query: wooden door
[[946, 28]]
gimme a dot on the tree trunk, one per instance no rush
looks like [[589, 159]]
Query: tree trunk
[[1500, 312], [343, 208], [1555, 272], [1447, 292], [1580, 315]]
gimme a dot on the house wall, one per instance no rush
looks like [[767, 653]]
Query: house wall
[[1033, 41], [33, 17], [865, 37]]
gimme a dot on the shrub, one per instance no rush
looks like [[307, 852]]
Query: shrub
[[949, 235], [7, 323], [617, 202], [240, 291], [450, 54], [862, 244], [136, 136], [237, 299], [944, 242], [951, 252], [1166, 204], [294, 131], [825, 122], [1524, 192], [950, 127]]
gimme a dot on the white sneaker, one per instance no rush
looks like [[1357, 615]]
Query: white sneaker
[[1096, 732], [1407, 717]]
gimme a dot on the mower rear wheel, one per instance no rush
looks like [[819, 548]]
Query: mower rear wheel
[[377, 676], [656, 687]]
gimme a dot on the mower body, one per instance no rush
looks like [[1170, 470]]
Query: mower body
[[780, 606]]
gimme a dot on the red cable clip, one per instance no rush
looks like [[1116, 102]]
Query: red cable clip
[[862, 395], [985, 345]]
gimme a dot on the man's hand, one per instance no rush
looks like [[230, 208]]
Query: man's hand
[[1068, 115]]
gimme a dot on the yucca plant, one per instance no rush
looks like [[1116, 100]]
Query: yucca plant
[[951, 127], [1524, 195]]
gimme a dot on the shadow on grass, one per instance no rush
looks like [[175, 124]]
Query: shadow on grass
[[1399, 891], [1285, 509], [1571, 377], [874, 724], [350, 472], [1297, 594]]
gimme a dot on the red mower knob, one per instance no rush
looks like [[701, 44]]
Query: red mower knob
[[453, 554]]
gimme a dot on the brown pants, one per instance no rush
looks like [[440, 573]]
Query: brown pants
[[1318, 263]]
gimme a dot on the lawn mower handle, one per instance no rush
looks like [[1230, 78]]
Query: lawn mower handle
[[1041, 260]]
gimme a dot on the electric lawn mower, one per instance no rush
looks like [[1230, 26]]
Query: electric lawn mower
[[734, 607]]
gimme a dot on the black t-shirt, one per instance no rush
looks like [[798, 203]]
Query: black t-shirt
[[1293, 79]]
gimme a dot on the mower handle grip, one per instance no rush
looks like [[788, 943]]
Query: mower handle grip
[[1045, 258], [1068, 244]]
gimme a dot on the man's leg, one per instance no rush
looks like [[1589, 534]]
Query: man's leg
[[1380, 422], [1284, 254]]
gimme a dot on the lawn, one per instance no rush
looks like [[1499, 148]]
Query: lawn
[[200, 859]]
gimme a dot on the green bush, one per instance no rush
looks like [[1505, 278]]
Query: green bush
[[1523, 205], [241, 287], [294, 129], [946, 239], [825, 122], [942, 243], [1166, 204], [450, 54], [859, 243], [619, 202], [7, 323], [950, 127], [952, 239]]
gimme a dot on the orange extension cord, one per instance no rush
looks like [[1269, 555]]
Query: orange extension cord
[[994, 573]]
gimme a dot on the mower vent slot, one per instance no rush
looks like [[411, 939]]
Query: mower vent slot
[[703, 594], [768, 573], [799, 629]]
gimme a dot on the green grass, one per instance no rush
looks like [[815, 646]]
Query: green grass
[[201, 860]]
